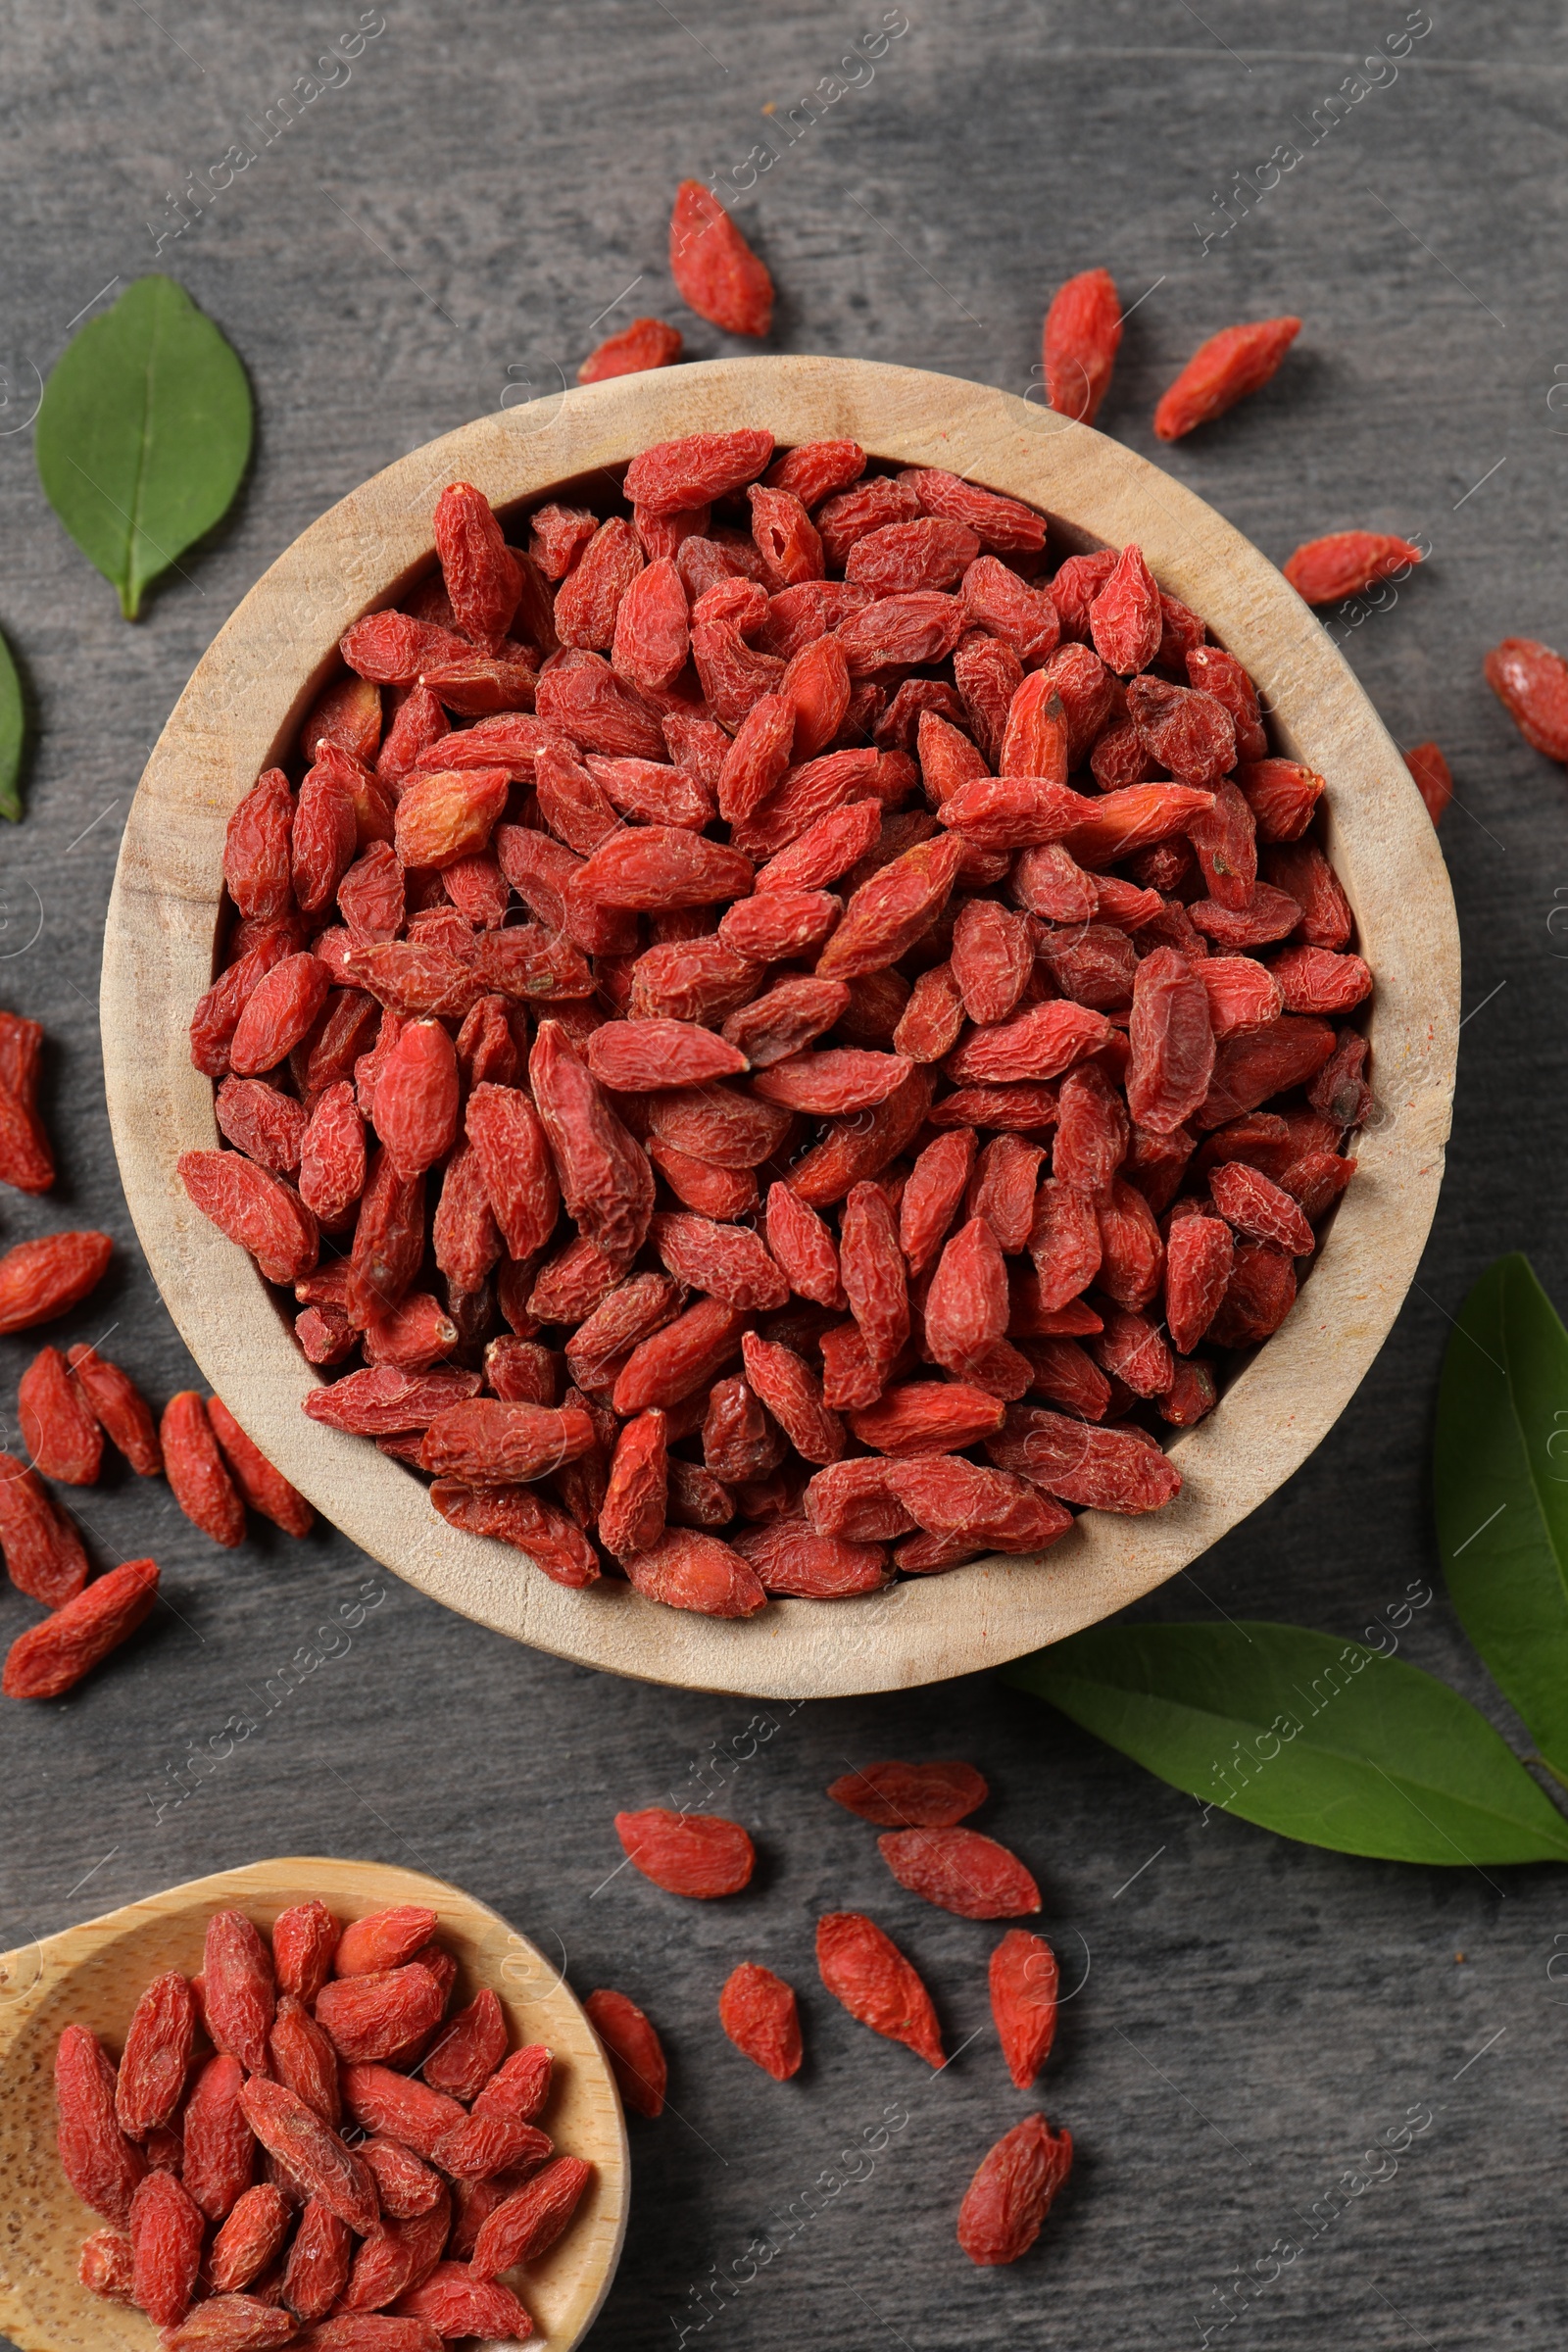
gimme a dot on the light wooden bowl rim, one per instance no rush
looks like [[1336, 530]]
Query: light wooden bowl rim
[[94, 1973], [242, 711]]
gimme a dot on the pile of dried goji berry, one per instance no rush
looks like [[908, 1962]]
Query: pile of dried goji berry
[[812, 926], [922, 1808], [442, 2174]]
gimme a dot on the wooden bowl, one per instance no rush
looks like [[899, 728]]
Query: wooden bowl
[[240, 713], [93, 1976]]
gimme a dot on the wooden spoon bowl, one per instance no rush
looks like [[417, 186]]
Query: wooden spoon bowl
[[241, 712], [93, 1976]]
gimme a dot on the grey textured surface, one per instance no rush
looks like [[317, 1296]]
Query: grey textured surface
[[447, 220]]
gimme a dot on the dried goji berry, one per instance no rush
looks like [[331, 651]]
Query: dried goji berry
[[404, 2184], [604, 1178], [232, 2324], [312, 2151], [156, 2056], [197, 1472], [789, 1556], [966, 1303], [1004, 523], [1006, 2202], [673, 475], [253, 2234], [219, 2149], [1199, 1258], [42, 1279], [900, 1797], [100, 2163], [954, 1499], [1238, 360], [927, 1417], [1433, 782], [645, 343], [304, 2059], [633, 2048], [1124, 619], [689, 1570], [449, 816], [476, 565], [165, 2249], [1116, 1469], [403, 2108], [237, 1989], [372, 2016], [1322, 572], [49, 1659], [264, 1489], [105, 2265], [1260, 1208], [758, 2011], [717, 271], [687, 1853], [865, 1969], [1081, 338], [526, 2223], [60, 1435], [257, 866]]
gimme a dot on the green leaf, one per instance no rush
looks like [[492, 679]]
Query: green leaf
[[1500, 1481], [143, 434], [13, 733], [1318, 1739]]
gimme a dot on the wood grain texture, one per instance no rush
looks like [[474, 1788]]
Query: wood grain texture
[[239, 715], [92, 1976]]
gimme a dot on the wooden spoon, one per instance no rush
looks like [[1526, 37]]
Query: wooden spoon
[[93, 1976]]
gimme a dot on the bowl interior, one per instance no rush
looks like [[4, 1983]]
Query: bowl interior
[[93, 1974], [242, 711]]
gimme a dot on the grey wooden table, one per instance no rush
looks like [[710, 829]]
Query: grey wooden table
[[461, 209]]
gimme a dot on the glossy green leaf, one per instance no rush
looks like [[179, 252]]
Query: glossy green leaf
[[1318, 1739], [143, 434], [13, 734], [1501, 1480]]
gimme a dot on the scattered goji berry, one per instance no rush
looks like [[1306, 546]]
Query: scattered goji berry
[[264, 1489], [864, 1970], [1323, 571], [1023, 2003], [62, 1436], [716, 273], [200, 1478], [645, 343], [758, 2011], [1238, 360], [1006, 2202], [687, 1853], [42, 1279], [633, 2048], [48, 1659], [900, 1797]]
